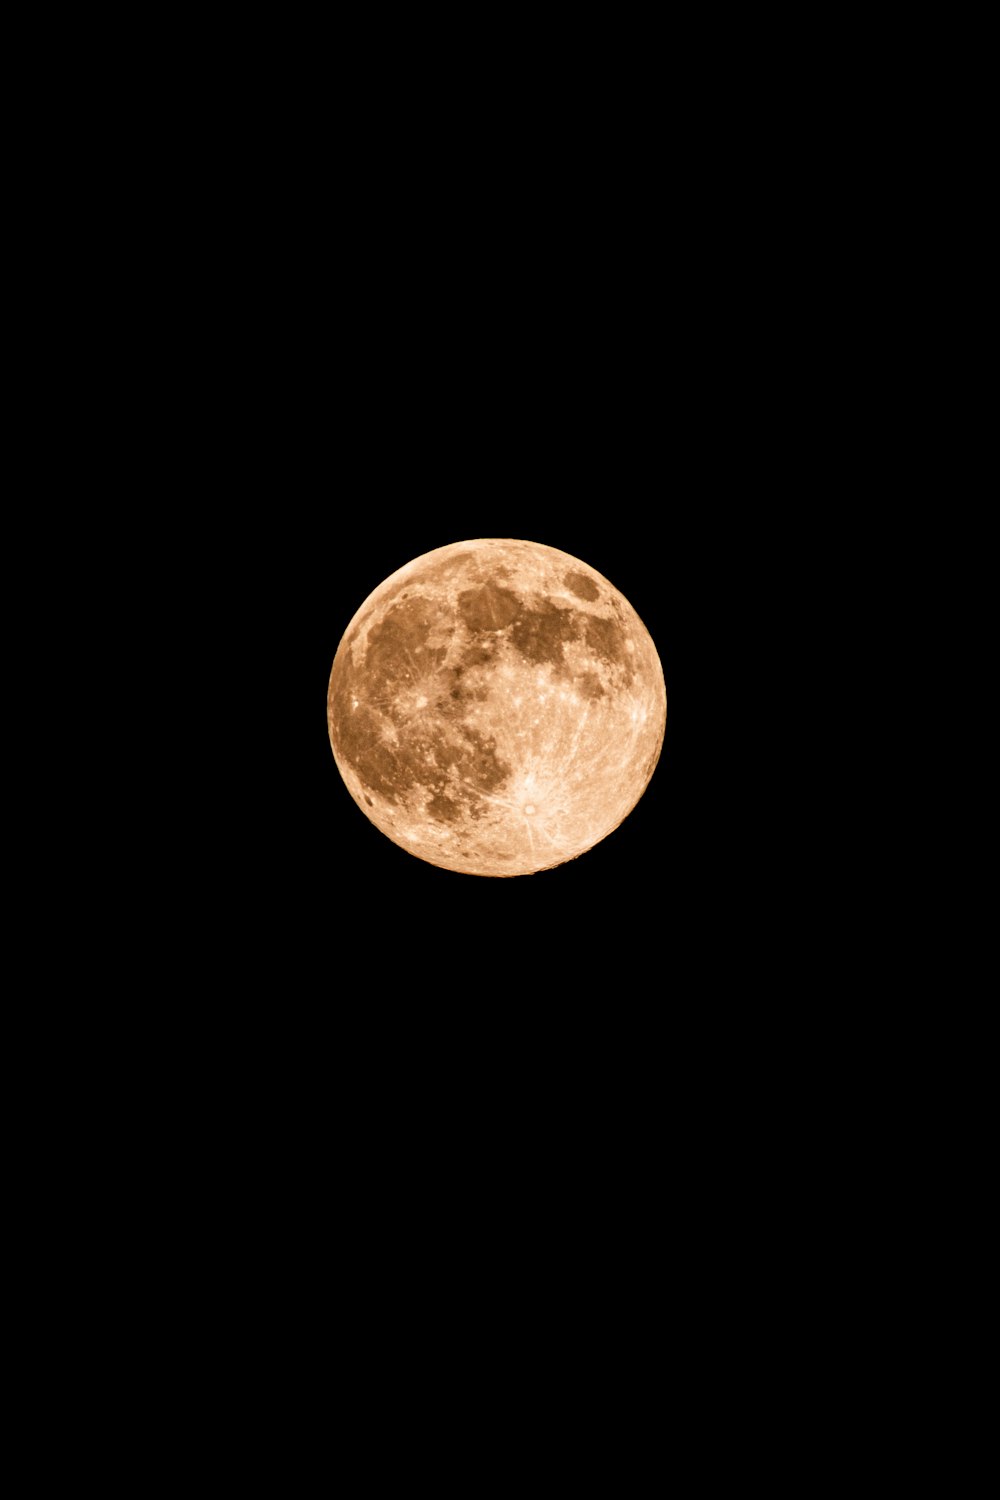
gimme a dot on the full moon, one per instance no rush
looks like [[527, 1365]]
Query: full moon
[[496, 707]]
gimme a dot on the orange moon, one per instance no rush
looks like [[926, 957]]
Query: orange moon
[[496, 707]]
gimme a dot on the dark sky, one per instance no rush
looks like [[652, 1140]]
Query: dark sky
[[630, 908]]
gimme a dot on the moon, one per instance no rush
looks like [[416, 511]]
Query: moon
[[496, 707]]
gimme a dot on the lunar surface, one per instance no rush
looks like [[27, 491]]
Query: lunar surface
[[496, 707]]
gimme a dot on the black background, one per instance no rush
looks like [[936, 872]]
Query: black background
[[404, 346], [362, 328], [595, 394], [378, 342], [649, 907], [588, 1034]]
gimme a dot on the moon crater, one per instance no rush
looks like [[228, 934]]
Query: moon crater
[[496, 707]]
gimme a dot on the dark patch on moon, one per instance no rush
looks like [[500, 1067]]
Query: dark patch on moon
[[582, 586], [458, 691], [447, 751], [483, 767], [606, 639], [362, 746], [478, 655], [451, 763], [540, 633], [488, 607], [451, 706], [356, 730], [443, 809], [590, 686], [358, 734], [479, 769], [398, 649]]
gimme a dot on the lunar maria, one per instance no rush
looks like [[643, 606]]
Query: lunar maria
[[496, 707]]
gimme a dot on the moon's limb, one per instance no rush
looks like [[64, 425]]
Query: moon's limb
[[496, 707]]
